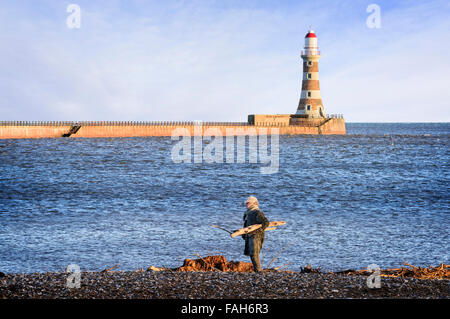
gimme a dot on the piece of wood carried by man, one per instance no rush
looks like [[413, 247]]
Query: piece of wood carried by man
[[249, 229]]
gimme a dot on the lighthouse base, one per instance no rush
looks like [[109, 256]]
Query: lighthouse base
[[329, 124]]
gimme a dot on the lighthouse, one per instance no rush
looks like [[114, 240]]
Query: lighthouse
[[310, 117], [310, 101]]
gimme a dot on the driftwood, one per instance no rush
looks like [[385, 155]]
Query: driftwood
[[228, 231], [254, 227], [214, 263], [208, 265], [280, 268], [109, 269], [278, 255], [251, 228], [308, 269], [153, 268], [439, 272]]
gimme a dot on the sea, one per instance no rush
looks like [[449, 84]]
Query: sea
[[378, 195]]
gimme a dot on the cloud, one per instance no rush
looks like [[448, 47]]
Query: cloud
[[192, 60]]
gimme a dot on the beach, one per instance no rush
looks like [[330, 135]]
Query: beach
[[181, 283], [216, 285]]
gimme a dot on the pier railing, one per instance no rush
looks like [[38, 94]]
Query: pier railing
[[114, 123], [302, 122]]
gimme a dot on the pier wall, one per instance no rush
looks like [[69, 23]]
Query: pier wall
[[204, 130], [333, 126], [136, 129], [32, 131]]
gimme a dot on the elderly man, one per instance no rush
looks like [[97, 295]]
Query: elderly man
[[254, 240]]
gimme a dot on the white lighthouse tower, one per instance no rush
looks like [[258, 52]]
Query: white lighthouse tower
[[310, 101]]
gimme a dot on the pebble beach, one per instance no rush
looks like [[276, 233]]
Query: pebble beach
[[169, 284]]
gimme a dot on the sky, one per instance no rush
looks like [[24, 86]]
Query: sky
[[221, 60]]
